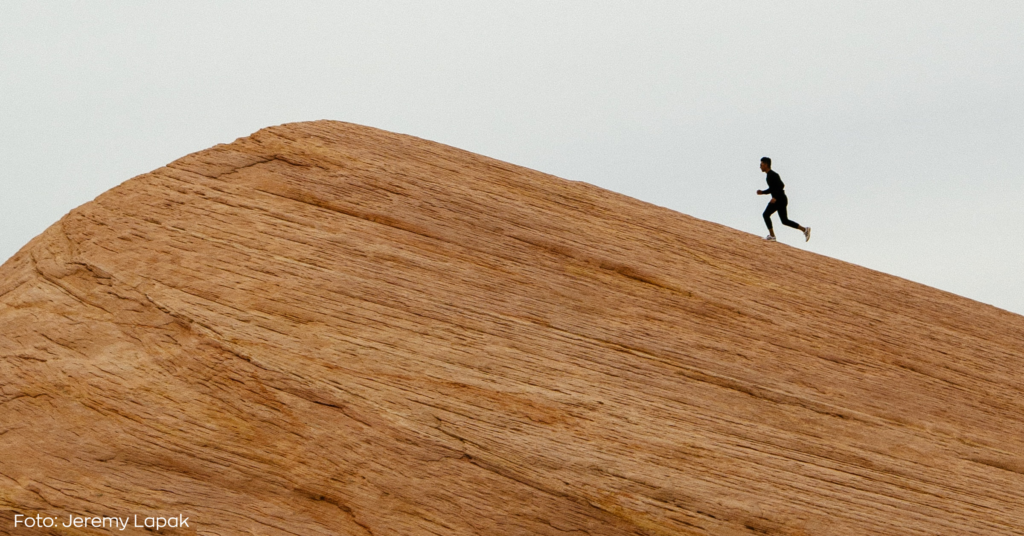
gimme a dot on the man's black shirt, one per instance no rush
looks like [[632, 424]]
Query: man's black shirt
[[775, 186]]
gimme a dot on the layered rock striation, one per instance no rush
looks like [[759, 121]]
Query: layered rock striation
[[330, 329]]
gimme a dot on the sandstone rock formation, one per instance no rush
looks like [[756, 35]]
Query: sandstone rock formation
[[329, 329]]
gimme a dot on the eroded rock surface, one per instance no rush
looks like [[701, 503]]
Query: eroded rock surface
[[330, 329]]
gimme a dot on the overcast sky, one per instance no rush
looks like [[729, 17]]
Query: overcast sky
[[897, 126]]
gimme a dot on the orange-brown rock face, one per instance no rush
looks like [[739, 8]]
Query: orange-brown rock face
[[329, 329]]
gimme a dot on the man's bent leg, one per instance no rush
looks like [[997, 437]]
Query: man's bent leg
[[768, 211], [785, 219]]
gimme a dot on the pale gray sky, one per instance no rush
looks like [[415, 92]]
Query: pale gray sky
[[896, 125]]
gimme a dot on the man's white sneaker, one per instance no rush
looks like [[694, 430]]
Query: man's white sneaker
[[807, 234], [770, 238]]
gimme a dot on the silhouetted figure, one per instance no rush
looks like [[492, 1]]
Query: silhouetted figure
[[778, 203]]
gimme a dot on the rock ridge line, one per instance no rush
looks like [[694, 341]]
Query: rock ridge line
[[325, 328]]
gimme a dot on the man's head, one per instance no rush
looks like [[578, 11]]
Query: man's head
[[766, 163]]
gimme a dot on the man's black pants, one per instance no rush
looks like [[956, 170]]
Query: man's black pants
[[779, 206]]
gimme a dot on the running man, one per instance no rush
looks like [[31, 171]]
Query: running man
[[778, 203]]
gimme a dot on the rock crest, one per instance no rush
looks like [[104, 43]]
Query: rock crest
[[325, 328]]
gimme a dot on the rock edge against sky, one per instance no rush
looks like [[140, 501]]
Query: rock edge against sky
[[330, 329]]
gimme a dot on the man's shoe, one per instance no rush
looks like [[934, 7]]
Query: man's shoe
[[770, 238], [807, 234]]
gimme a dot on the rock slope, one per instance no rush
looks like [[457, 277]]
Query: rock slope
[[330, 329]]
